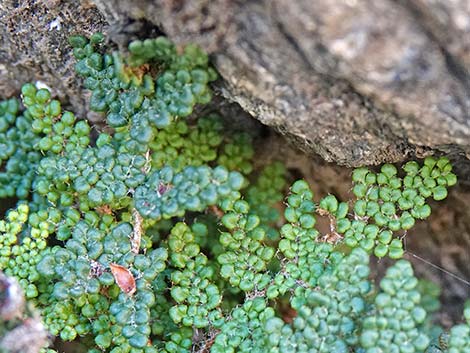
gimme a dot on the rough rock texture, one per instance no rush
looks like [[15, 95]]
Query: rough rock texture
[[355, 82], [34, 45], [358, 82]]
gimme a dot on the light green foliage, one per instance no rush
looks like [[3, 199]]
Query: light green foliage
[[394, 326], [459, 336], [22, 248], [244, 331], [167, 194], [237, 154], [137, 104], [265, 193], [430, 293], [155, 237], [305, 257], [197, 297], [328, 313], [388, 204], [17, 151], [457, 340], [180, 145], [245, 260]]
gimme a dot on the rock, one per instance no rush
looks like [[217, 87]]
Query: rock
[[35, 46], [357, 82]]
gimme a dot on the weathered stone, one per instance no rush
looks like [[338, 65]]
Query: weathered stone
[[34, 37], [358, 82]]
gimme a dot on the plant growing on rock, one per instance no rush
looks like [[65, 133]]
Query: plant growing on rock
[[154, 236]]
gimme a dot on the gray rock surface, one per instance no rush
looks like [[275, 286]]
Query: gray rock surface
[[358, 82], [34, 45]]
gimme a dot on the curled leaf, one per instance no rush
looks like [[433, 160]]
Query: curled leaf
[[124, 278]]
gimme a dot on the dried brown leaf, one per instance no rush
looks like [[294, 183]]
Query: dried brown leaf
[[124, 278]]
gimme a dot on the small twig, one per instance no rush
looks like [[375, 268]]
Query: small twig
[[137, 233], [148, 163]]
